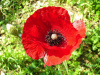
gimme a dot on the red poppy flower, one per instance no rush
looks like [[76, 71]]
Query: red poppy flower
[[49, 33]]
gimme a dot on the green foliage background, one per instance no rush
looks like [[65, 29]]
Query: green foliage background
[[13, 59]]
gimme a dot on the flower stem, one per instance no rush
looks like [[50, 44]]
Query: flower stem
[[59, 69], [66, 67]]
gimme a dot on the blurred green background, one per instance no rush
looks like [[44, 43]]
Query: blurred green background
[[13, 59]]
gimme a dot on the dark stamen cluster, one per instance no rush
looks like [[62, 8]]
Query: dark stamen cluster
[[55, 42]]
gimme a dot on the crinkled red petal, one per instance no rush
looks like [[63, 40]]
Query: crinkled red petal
[[78, 42], [56, 57], [80, 26], [31, 39], [32, 48]]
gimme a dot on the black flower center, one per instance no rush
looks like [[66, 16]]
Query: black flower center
[[54, 38]]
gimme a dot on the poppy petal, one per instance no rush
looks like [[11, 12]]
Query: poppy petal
[[53, 57], [33, 49], [31, 45], [80, 26], [78, 42], [50, 60]]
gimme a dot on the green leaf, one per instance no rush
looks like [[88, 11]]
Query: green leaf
[[95, 39], [94, 47]]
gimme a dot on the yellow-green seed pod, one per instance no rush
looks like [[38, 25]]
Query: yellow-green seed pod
[[12, 29]]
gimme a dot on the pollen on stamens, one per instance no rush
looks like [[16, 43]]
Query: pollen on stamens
[[54, 38]]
